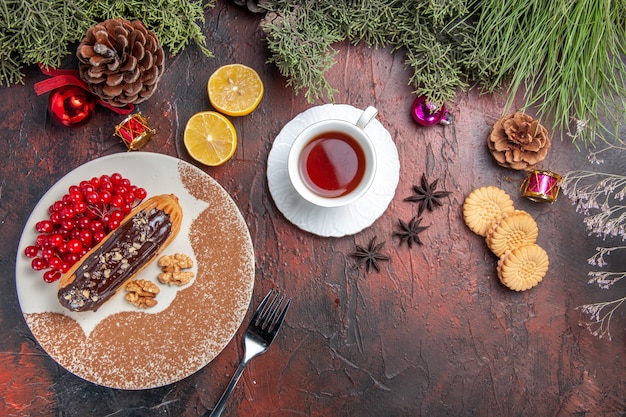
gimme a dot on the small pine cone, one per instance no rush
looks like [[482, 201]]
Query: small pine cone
[[121, 61], [518, 141]]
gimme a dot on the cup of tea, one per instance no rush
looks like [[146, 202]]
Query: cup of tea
[[332, 163]]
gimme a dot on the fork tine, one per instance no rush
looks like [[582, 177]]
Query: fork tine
[[269, 320], [257, 314], [270, 312], [271, 316], [279, 321]]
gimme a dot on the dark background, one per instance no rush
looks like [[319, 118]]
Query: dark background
[[434, 333]]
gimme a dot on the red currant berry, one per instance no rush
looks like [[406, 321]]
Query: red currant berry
[[47, 252], [41, 241], [62, 249], [71, 258], [57, 206], [80, 207], [44, 226], [55, 240], [51, 275], [55, 217], [64, 267], [38, 264], [68, 212], [129, 198], [107, 186], [117, 215], [113, 224], [55, 263], [121, 190], [68, 224], [96, 226], [92, 213], [116, 178], [84, 222], [31, 251], [98, 236], [76, 196], [95, 181], [75, 233], [92, 197], [140, 193], [74, 246], [105, 197], [117, 201], [86, 237]]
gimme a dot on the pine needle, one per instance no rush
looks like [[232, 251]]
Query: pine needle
[[41, 31], [566, 55]]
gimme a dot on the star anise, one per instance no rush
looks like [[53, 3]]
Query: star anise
[[409, 233], [370, 256], [426, 195]]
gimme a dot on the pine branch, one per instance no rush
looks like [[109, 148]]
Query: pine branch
[[567, 57], [41, 31], [431, 34]]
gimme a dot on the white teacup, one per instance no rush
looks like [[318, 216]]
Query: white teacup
[[332, 163]]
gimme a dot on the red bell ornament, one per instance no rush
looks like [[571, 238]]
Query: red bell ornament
[[427, 114], [71, 105]]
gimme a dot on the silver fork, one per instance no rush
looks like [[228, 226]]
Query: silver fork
[[257, 339]]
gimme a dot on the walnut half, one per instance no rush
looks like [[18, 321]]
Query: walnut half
[[172, 266], [142, 293]]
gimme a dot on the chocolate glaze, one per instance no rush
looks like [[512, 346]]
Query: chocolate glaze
[[125, 251]]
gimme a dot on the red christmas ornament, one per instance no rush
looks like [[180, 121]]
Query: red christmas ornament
[[70, 102], [71, 105], [427, 114]]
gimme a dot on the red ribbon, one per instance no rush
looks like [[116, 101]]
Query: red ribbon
[[61, 77]]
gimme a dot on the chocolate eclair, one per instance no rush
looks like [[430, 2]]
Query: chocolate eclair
[[121, 255]]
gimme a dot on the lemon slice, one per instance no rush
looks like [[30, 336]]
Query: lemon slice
[[210, 138], [235, 90]]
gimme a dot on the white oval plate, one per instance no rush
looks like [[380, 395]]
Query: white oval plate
[[124, 347]]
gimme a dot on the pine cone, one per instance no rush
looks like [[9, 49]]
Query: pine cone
[[518, 141], [121, 61]]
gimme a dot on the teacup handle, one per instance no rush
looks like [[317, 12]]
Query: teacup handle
[[367, 116]]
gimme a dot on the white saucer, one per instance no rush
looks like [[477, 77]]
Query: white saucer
[[334, 221]]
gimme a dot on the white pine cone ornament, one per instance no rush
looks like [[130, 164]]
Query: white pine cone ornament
[[121, 61]]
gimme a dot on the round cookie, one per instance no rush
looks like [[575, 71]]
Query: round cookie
[[510, 231], [523, 268], [483, 205]]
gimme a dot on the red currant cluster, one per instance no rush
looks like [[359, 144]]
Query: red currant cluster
[[79, 220]]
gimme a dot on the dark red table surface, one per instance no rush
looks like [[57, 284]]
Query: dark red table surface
[[434, 333]]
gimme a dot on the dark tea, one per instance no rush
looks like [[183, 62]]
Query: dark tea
[[332, 164]]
